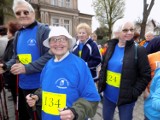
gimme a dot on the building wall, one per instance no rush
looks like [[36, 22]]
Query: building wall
[[60, 12]]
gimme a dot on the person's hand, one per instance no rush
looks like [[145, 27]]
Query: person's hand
[[1, 69], [18, 68], [66, 114], [31, 100]]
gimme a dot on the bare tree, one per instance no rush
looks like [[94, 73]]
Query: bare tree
[[5, 10], [146, 11], [108, 12]]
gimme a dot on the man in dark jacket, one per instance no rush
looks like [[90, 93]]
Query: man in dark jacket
[[31, 53], [154, 45]]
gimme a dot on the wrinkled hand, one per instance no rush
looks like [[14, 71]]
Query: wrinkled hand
[[66, 114], [1, 69], [31, 100], [18, 68]]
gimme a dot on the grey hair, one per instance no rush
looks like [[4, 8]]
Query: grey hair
[[149, 32], [22, 2], [119, 25]]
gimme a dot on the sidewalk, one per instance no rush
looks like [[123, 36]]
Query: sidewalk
[[137, 115]]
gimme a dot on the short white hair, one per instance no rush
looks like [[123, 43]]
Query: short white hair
[[119, 25], [22, 2], [149, 32]]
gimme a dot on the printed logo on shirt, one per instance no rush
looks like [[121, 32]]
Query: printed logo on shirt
[[62, 83], [31, 42]]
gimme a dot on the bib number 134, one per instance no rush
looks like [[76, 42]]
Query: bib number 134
[[52, 101]]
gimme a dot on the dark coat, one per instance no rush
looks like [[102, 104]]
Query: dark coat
[[135, 72]]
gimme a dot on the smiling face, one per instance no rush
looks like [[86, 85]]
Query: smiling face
[[59, 46], [127, 32], [149, 36], [24, 15], [82, 35]]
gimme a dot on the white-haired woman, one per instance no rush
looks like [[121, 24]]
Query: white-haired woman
[[149, 36], [125, 72], [67, 88]]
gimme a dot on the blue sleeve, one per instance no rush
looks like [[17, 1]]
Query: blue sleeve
[[153, 45], [156, 96]]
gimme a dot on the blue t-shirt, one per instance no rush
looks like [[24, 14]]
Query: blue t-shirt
[[145, 44], [28, 51], [70, 77], [114, 74]]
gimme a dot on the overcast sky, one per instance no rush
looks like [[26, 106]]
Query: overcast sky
[[133, 10]]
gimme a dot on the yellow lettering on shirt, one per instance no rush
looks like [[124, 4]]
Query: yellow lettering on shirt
[[25, 58], [52, 101], [113, 78]]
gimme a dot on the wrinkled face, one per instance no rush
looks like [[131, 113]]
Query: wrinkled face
[[127, 32], [82, 35], [24, 16], [149, 37], [59, 46]]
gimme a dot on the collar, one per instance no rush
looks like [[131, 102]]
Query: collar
[[65, 55], [78, 42], [31, 25]]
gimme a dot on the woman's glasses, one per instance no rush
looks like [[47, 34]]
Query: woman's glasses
[[60, 40], [25, 12], [127, 30]]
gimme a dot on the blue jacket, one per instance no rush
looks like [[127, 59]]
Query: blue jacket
[[154, 45], [90, 54], [36, 66], [152, 102]]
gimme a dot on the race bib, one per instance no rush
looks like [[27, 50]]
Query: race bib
[[25, 58], [52, 101], [80, 53], [113, 79]]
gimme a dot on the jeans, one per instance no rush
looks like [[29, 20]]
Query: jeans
[[125, 111]]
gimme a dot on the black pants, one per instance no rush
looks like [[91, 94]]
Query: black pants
[[25, 112]]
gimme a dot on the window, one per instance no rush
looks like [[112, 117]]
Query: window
[[55, 22], [62, 3], [68, 4], [54, 2], [66, 24], [46, 18], [42, 16]]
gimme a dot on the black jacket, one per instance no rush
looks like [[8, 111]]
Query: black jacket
[[135, 72]]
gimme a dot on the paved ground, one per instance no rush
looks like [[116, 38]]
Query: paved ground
[[138, 111]]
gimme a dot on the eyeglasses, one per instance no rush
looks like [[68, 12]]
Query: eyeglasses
[[25, 12], [127, 30], [60, 40]]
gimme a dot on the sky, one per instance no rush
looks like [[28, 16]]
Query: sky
[[133, 10]]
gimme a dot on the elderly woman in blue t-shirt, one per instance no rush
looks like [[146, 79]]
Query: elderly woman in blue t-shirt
[[67, 87]]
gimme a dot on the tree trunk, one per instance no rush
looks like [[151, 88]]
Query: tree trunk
[[146, 11]]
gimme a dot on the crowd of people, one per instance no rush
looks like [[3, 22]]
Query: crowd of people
[[44, 68]]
